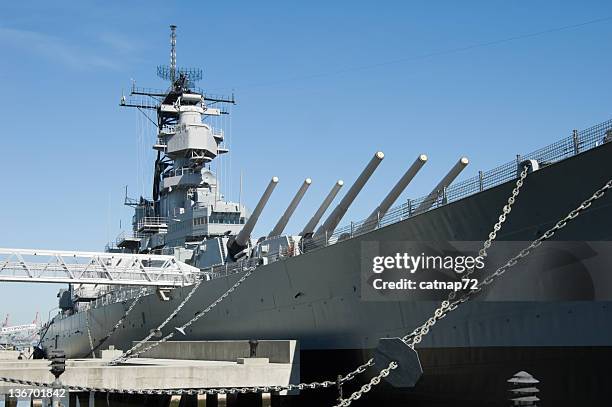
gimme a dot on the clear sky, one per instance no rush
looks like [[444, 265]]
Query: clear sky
[[320, 87]]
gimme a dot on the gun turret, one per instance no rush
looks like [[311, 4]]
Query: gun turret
[[332, 221], [442, 185], [282, 222], [380, 211], [309, 228], [240, 242]]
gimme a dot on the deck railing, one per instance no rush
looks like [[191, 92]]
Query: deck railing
[[578, 142]]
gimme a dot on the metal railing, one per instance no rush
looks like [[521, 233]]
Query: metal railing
[[567, 147], [152, 221], [128, 236], [73, 267], [168, 129], [178, 172], [111, 295]]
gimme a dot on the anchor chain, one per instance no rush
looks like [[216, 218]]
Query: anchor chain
[[128, 354], [446, 307], [350, 376], [91, 347], [189, 391], [417, 334], [133, 352], [439, 312], [498, 225], [110, 333]]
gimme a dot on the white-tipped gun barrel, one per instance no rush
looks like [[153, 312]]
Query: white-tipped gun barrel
[[241, 240], [332, 221], [282, 222], [312, 223], [442, 185], [372, 221]]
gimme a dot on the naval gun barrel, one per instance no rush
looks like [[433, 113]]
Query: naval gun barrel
[[332, 221], [380, 211], [445, 182], [241, 240], [312, 223], [282, 222]]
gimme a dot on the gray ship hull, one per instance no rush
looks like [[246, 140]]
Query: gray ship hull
[[315, 297]]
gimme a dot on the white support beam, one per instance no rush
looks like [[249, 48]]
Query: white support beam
[[5, 330], [55, 266]]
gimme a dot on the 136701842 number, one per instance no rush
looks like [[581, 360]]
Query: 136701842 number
[[28, 392]]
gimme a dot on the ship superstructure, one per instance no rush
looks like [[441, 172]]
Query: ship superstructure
[[187, 206]]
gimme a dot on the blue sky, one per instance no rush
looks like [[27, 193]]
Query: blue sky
[[320, 87]]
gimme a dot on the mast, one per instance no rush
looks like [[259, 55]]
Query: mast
[[184, 186], [172, 53]]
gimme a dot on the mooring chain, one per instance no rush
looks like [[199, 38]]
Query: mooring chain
[[190, 391], [498, 225], [368, 386], [350, 376], [536, 243], [417, 334], [133, 352], [91, 346], [446, 306], [110, 333], [126, 355]]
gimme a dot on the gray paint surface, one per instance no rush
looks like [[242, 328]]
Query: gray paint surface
[[330, 314]]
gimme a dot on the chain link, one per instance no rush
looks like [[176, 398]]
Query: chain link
[[537, 242], [448, 306], [417, 334], [91, 347], [368, 386], [350, 376], [110, 333], [133, 352], [127, 354], [191, 391]]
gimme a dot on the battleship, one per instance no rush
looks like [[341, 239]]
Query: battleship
[[309, 285]]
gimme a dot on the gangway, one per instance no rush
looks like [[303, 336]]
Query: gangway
[[74, 267], [17, 329]]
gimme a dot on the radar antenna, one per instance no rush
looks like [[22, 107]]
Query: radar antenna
[[178, 77]]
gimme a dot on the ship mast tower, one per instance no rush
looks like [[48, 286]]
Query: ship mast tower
[[183, 183]]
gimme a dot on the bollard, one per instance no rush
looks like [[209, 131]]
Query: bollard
[[175, 400], [253, 348], [201, 400], [266, 399], [523, 389], [221, 400], [58, 366], [36, 402]]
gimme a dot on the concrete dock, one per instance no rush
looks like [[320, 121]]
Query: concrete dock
[[174, 365]]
